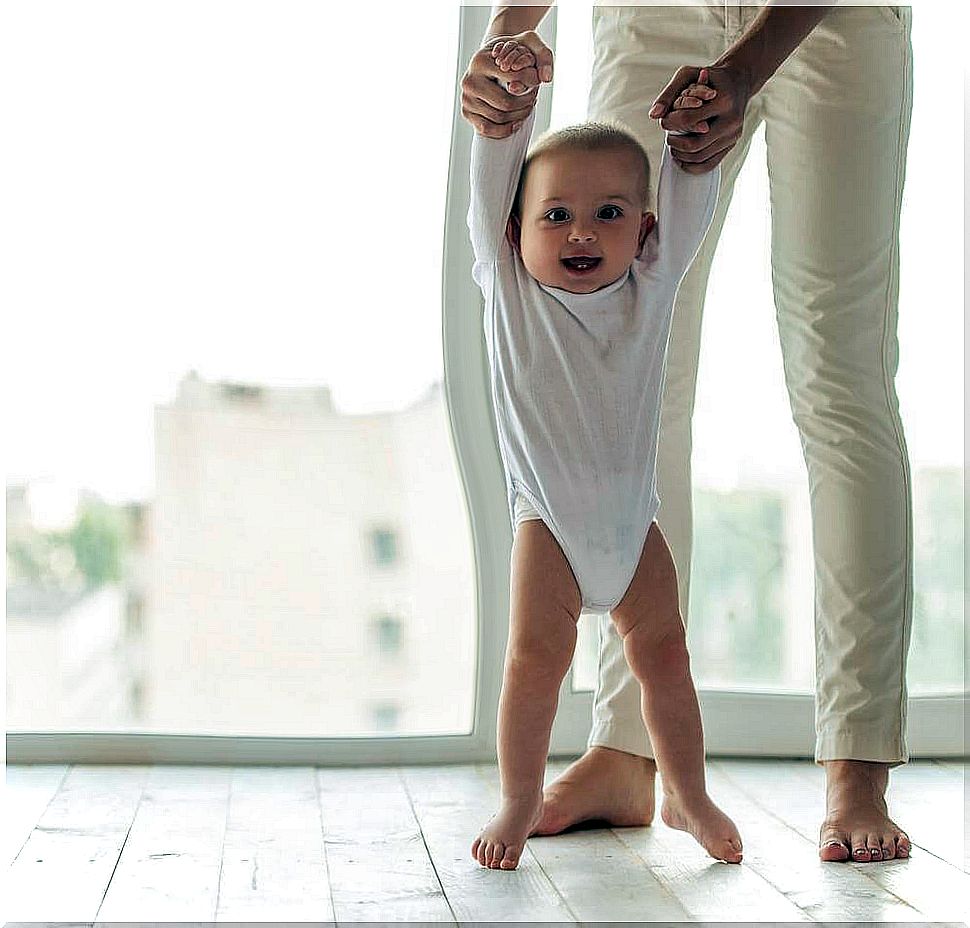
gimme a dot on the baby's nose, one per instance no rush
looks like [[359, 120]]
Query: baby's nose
[[581, 235]]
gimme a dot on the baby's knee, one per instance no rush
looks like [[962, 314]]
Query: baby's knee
[[543, 655], [658, 651]]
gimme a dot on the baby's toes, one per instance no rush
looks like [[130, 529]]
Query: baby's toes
[[726, 849], [511, 858], [483, 849]]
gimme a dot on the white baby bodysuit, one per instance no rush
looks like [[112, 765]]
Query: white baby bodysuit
[[577, 378]]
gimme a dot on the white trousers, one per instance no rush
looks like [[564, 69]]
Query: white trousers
[[837, 115]]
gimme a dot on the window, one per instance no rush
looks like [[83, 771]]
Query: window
[[384, 547], [242, 343], [752, 587], [293, 396], [389, 633], [386, 717]]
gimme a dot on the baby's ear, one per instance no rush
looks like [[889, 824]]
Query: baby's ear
[[513, 232], [648, 222]]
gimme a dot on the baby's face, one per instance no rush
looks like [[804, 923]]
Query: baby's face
[[580, 203]]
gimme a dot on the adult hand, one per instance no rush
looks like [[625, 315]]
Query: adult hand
[[712, 128], [486, 104]]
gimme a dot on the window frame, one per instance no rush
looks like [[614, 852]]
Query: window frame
[[736, 722]]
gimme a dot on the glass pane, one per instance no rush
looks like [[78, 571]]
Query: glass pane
[[752, 587], [232, 500]]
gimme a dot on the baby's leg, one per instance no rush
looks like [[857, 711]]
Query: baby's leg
[[655, 644], [544, 609]]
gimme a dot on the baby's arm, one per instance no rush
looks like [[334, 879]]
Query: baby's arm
[[495, 166]]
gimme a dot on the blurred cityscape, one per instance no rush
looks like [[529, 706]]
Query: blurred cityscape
[[306, 573]]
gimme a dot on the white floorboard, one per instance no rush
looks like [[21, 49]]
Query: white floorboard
[[74, 845], [795, 792], [98, 844], [598, 876]]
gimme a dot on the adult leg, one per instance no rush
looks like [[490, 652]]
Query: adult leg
[[637, 50], [837, 125]]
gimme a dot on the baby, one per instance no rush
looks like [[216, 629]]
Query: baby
[[579, 282]]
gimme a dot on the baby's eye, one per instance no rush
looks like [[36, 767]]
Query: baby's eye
[[551, 215], [619, 212]]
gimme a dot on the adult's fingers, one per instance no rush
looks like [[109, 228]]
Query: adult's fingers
[[489, 120], [493, 130], [489, 87], [491, 102], [700, 154], [702, 167], [485, 97]]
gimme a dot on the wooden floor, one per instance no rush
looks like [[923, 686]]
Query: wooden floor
[[93, 843]]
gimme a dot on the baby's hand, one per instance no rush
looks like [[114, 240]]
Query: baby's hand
[[514, 57], [694, 95], [691, 97]]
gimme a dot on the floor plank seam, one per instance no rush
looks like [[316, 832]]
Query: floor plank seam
[[434, 869], [663, 886], [222, 853], [323, 841], [43, 811], [121, 851]]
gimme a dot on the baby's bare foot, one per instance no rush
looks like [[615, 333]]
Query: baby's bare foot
[[499, 846], [712, 829]]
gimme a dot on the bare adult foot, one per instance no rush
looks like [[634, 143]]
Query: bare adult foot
[[857, 823], [603, 784], [710, 827], [500, 843]]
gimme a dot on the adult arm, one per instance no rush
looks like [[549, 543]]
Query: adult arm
[[737, 75]]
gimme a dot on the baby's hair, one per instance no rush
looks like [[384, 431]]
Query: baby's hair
[[589, 137]]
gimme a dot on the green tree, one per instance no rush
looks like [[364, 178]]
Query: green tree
[[97, 540], [92, 550]]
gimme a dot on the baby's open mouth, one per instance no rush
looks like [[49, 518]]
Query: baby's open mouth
[[581, 263]]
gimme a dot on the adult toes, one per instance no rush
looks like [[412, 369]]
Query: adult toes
[[833, 846], [498, 849], [902, 845], [874, 844], [475, 847], [834, 851], [860, 850]]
